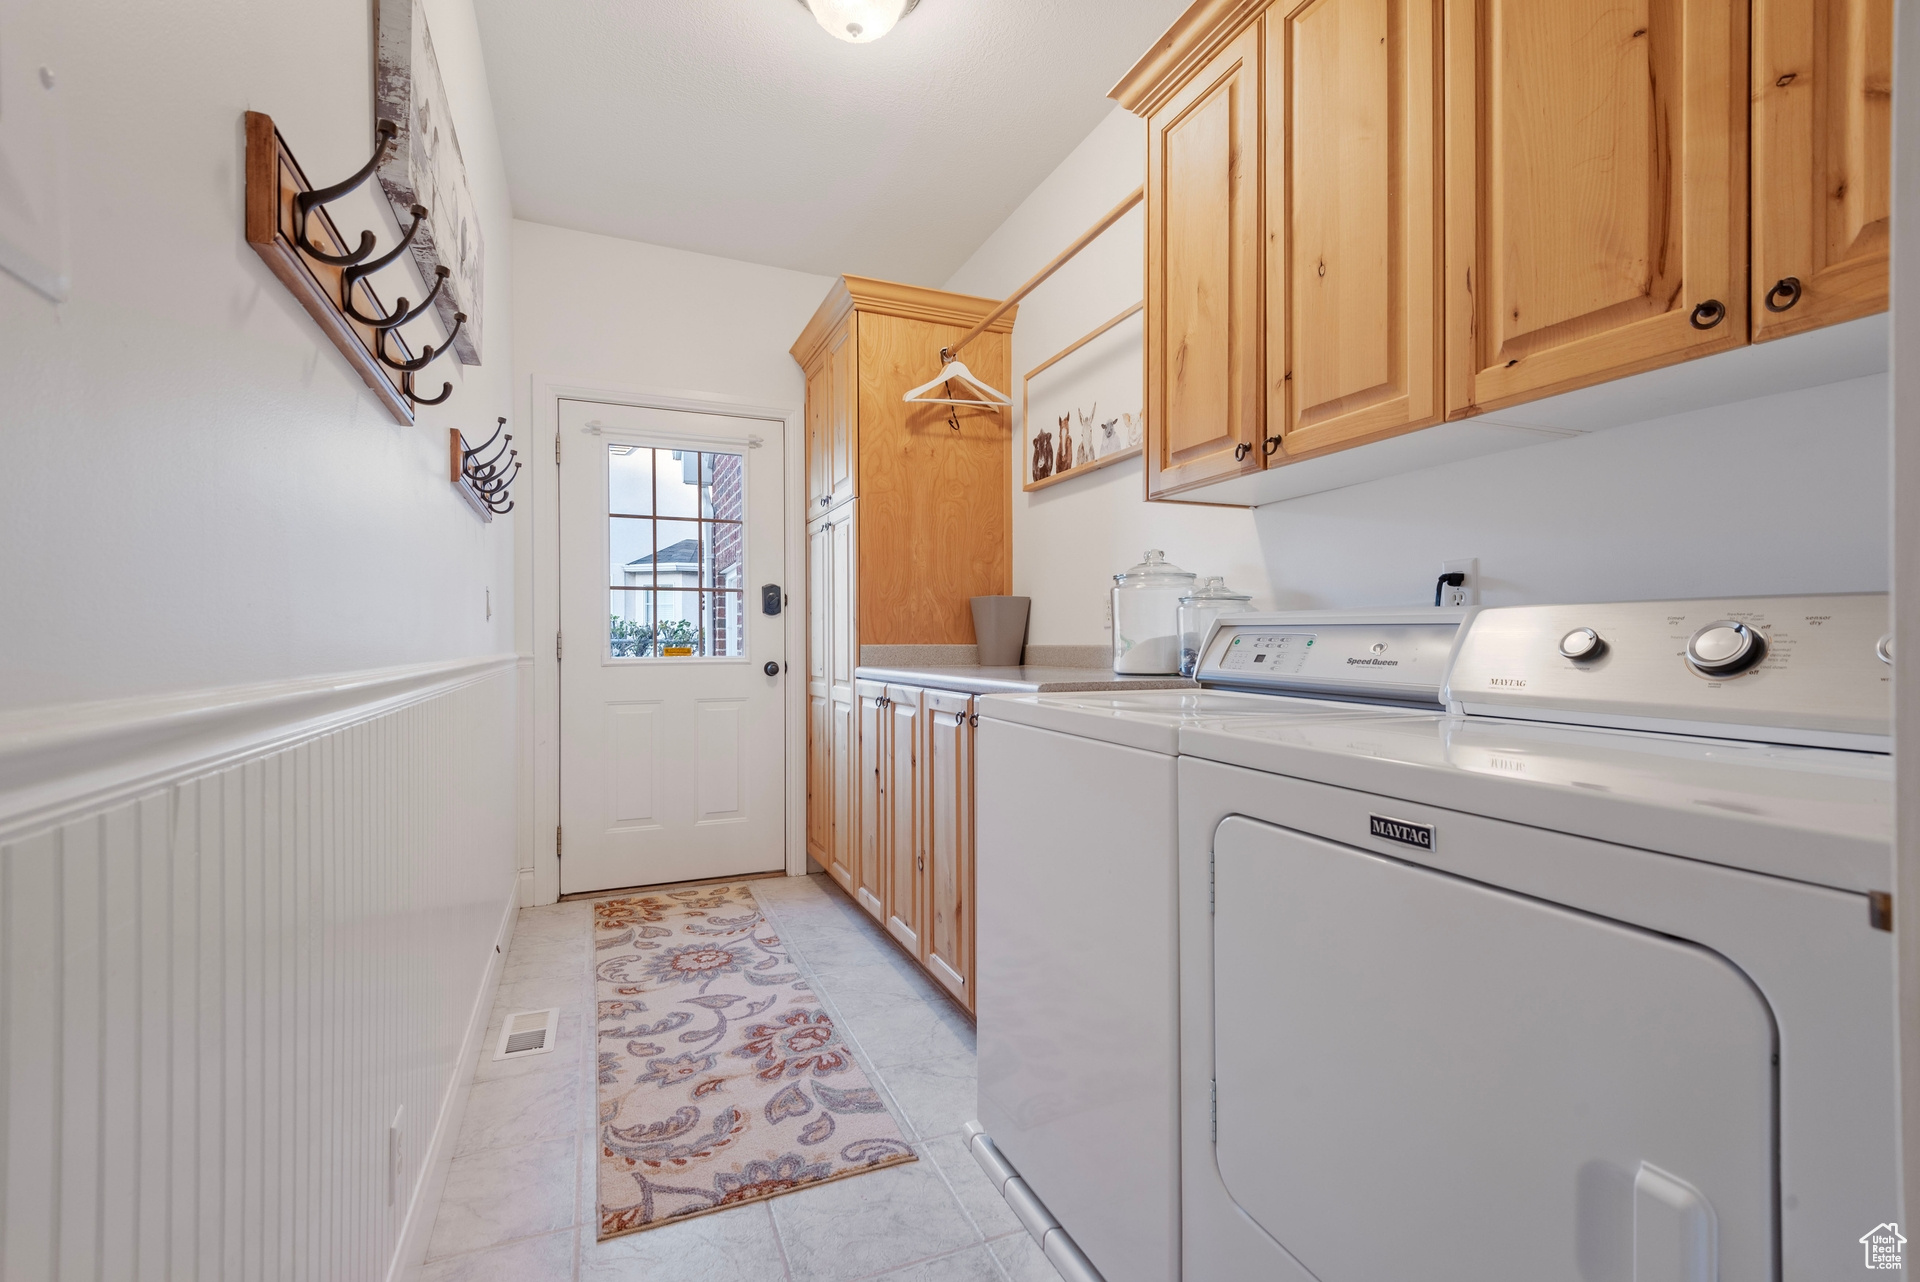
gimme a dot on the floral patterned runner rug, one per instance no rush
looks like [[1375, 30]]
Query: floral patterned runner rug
[[722, 1078]]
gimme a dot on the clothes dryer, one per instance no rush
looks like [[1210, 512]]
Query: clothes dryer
[[1588, 979]]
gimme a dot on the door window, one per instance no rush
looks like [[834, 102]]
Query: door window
[[677, 551]]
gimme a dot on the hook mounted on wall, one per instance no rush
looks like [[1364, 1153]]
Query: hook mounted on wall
[[482, 482], [291, 228], [307, 201]]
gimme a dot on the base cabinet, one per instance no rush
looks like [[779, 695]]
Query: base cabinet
[[910, 777], [905, 811], [948, 951]]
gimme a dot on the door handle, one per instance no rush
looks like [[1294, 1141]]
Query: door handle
[[772, 669]]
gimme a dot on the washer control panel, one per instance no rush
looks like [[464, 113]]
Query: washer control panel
[[1812, 669], [1399, 656]]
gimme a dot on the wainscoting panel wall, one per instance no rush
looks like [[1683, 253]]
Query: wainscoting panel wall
[[238, 974]]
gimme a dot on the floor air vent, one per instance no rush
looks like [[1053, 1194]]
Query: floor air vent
[[527, 1032]]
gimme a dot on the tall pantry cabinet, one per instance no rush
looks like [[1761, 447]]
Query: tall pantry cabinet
[[1368, 217], [909, 518]]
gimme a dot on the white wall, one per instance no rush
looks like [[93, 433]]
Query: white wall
[[597, 309], [619, 316], [201, 491], [1784, 493], [282, 930]]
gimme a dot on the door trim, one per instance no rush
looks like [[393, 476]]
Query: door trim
[[537, 554]]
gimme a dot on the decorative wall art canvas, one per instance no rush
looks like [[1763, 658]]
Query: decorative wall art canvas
[[424, 167], [1081, 404]]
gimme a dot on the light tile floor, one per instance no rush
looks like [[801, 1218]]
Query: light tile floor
[[520, 1193]]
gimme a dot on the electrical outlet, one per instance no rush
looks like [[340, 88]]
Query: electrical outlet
[[1468, 592]]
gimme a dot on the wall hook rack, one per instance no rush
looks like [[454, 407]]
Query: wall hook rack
[[289, 226], [484, 482]]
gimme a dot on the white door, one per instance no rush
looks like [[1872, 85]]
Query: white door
[[672, 728], [1419, 1076]]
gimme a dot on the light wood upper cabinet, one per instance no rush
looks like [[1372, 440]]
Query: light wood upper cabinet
[[1596, 191], [1204, 331], [843, 415], [1353, 223], [1822, 161], [833, 413], [819, 397]]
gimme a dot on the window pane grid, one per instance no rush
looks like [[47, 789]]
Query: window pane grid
[[678, 568]]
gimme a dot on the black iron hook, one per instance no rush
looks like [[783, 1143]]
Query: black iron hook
[[406, 387], [471, 450], [354, 275], [428, 352], [402, 315], [497, 487], [490, 476], [308, 201], [486, 467]]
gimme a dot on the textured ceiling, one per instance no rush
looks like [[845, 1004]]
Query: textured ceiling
[[740, 128]]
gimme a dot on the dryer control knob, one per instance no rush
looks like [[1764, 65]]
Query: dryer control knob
[[1582, 644], [1725, 648]]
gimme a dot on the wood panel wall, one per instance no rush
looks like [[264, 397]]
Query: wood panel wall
[[216, 993]]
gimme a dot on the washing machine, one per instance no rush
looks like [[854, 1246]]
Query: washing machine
[[1077, 897], [1587, 979]]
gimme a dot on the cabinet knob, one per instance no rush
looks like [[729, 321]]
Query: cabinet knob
[[1241, 451], [1784, 294], [1273, 443], [825, 499], [1708, 314]]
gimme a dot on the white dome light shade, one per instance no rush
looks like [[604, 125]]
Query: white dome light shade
[[859, 21]]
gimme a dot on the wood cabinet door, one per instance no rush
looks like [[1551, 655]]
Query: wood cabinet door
[[843, 727], [905, 845], [1596, 191], [874, 759], [1204, 345], [843, 409], [819, 401], [819, 693], [1354, 251], [1822, 161], [949, 848]]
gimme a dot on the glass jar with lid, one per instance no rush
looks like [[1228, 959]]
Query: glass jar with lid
[[1146, 610], [1198, 609]]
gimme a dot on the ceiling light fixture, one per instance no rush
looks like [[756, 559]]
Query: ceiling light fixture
[[859, 21]]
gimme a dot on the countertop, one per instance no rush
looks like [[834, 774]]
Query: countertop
[[1023, 680]]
